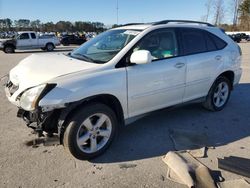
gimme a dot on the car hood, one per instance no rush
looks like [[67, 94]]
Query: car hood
[[38, 69], [7, 39]]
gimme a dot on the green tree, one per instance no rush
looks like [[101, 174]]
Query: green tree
[[244, 10], [5, 24], [35, 25]]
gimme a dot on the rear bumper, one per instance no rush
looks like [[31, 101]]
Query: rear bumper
[[237, 76]]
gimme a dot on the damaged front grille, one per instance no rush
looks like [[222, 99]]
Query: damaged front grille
[[10, 88]]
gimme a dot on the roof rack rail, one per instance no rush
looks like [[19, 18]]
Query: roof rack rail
[[182, 21], [132, 24]]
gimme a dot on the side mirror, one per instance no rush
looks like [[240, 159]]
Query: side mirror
[[141, 57]]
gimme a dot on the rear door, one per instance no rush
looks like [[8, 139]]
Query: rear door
[[34, 40], [158, 84], [203, 59]]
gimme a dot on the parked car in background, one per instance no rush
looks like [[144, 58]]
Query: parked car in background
[[28, 40], [8, 34], [243, 36], [235, 37], [72, 39], [85, 95]]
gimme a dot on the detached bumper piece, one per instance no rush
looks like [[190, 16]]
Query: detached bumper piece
[[236, 165]]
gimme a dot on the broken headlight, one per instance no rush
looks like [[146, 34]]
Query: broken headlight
[[31, 97]]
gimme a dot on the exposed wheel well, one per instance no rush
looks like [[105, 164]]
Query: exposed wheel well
[[106, 99], [229, 75], [49, 43], [12, 45]]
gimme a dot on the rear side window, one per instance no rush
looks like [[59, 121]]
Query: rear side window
[[198, 41], [210, 43], [33, 36], [220, 44], [193, 41]]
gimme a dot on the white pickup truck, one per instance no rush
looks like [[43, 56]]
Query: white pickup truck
[[29, 40]]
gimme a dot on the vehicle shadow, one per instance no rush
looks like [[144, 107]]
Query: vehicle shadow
[[149, 136]]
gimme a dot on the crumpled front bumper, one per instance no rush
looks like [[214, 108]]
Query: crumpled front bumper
[[39, 121]]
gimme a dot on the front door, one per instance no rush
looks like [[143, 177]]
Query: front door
[[24, 41], [158, 84]]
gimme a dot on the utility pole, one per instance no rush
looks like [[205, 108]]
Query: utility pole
[[117, 8]]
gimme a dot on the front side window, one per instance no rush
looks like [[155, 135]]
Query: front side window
[[24, 36], [105, 46], [161, 44]]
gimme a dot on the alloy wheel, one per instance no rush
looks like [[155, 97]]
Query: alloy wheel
[[94, 133]]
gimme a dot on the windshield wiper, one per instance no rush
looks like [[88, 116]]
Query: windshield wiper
[[84, 57]]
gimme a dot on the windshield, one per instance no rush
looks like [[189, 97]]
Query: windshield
[[105, 46], [16, 36]]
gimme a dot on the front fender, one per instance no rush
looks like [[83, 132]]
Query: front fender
[[77, 87]]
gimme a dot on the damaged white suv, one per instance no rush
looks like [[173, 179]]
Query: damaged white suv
[[84, 96]]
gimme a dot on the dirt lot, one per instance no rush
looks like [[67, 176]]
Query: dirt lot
[[134, 160]]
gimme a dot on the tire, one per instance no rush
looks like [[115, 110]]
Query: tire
[[50, 47], [84, 138], [218, 94], [65, 44], [9, 49]]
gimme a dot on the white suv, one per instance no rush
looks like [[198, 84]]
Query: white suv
[[84, 96]]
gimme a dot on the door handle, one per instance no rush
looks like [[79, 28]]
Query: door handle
[[179, 65], [218, 57]]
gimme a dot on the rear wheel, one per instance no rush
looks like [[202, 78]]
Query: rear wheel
[[218, 95], [9, 49], [65, 44], [90, 131], [50, 47]]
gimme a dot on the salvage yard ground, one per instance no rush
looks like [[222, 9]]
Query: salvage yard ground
[[134, 159]]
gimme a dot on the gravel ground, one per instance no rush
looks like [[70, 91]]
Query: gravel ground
[[134, 159]]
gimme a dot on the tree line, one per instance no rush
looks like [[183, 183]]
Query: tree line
[[61, 26], [239, 11]]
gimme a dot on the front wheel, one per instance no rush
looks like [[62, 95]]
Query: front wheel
[[9, 49], [218, 95], [90, 131]]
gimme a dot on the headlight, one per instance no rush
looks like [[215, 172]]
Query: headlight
[[30, 97]]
